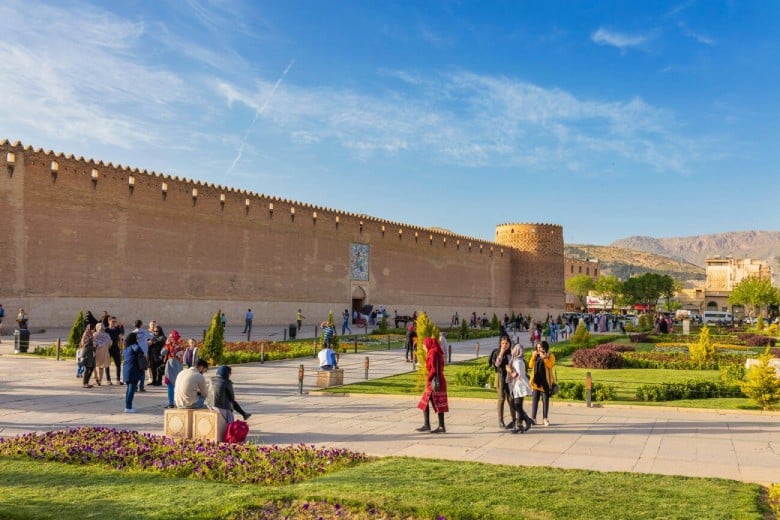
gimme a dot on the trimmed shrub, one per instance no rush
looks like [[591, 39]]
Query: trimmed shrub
[[640, 337], [477, 375], [596, 358], [760, 341], [686, 390], [74, 338], [214, 342], [581, 336], [762, 385], [575, 391], [704, 349], [617, 347]]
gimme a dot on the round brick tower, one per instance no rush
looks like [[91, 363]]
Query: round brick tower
[[537, 265]]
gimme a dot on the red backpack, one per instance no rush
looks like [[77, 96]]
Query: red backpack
[[236, 432]]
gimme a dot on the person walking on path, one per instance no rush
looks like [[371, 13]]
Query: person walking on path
[[299, 319], [116, 332], [520, 387], [102, 358], [130, 371], [435, 394], [500, 358], [248, 317], [542, 379], [173, 367], [88, 344], [345, 323], [410, 344], [143, 337]]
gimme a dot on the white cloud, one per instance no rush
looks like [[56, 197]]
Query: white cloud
[[79, 75], [690, 33], [480, 121], [622, 41]]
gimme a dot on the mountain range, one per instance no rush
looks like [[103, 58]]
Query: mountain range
[[682, 258]]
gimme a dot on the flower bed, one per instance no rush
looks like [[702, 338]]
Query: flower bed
[[235, 463]]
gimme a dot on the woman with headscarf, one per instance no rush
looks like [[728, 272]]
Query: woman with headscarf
[[102, 358], [173, 365], [88, 345], [517, 380], [436, 387], [542, 379], [221, 396]]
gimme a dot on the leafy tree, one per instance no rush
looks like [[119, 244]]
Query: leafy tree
[[703, 350], [608, 289], [753, 293], [648, 288], [762, 384], [74, 338], [580, 285], [214, 341]]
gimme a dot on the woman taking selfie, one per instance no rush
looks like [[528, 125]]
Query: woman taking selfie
[[542, 379]]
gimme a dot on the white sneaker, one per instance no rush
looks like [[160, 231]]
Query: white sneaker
[[130, 410], [546, 422]]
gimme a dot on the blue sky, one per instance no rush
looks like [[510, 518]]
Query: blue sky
[[611, 119]]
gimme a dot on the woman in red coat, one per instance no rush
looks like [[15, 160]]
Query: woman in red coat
[[436, 387]]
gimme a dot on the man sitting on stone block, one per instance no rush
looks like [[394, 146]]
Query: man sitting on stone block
[[327, 358], [191, 389]]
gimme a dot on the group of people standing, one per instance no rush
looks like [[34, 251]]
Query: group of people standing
[[146, 354], [513, 383]]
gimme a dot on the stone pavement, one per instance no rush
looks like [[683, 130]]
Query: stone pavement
[[43, 394]]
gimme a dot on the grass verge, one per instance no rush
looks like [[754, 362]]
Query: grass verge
[[392, 487]]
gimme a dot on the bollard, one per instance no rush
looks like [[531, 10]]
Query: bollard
[[315, 330], [355, 345], [300, 378], [588, 388], [449, 355], [204, 334], [262, 353], [249, 334], [59, 347], [365, 365], [477, 349], [285, 334]]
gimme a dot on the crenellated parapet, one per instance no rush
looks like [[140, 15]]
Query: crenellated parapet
[[543, 239], [214, 198]]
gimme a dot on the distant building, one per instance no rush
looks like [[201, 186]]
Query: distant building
[[725, 273], [574, 267]]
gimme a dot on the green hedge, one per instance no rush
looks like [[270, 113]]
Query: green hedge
[[577, 392], [686, 390]]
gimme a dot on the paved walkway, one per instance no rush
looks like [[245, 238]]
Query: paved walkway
[[43, 394]]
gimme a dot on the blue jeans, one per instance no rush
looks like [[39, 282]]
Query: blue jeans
[[170, 394], [130, 392]]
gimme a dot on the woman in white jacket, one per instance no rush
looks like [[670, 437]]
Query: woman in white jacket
[[517, 379]]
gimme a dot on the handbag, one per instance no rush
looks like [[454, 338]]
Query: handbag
[[554, 389], [236, 432], [435, 386]]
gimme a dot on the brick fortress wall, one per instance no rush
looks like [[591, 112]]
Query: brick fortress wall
[[80, 234]]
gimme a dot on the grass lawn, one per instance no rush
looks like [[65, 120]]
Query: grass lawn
[[395, 487], [625, 380]]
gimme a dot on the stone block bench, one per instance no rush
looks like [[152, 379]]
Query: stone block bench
[[327, 378]]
